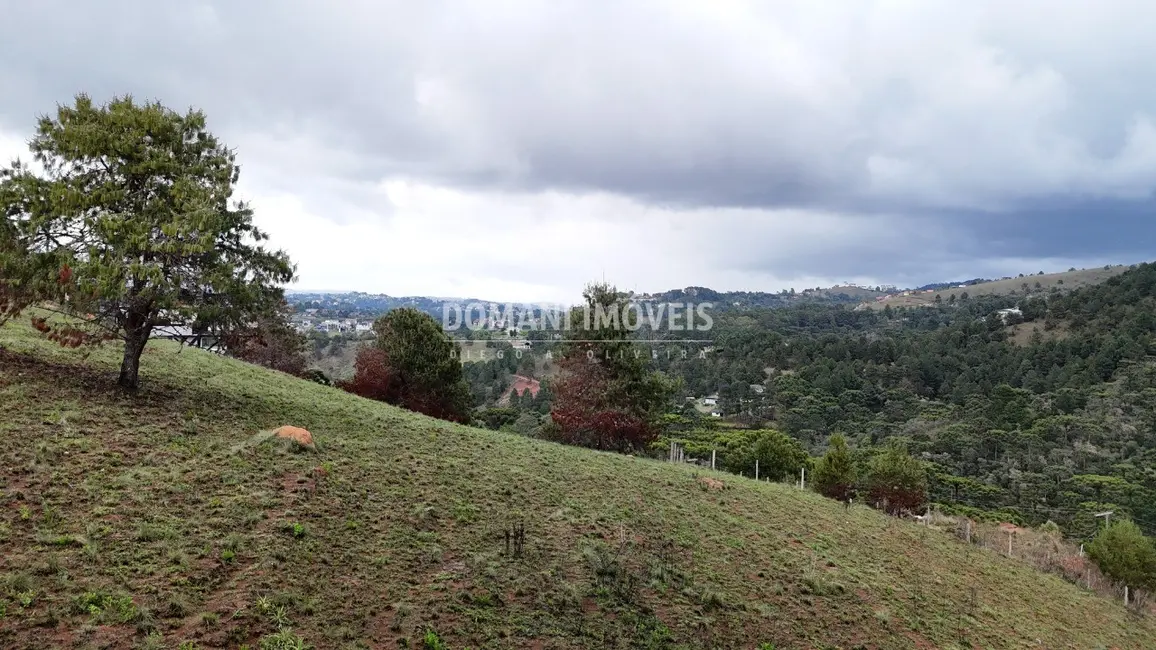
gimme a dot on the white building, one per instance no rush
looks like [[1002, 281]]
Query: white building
[[1005, 314]]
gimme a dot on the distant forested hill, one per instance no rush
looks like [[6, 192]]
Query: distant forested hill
[[1048, 413], [730, 300]]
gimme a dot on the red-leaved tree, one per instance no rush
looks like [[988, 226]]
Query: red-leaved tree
[[583, 412], [271, 342], [372, 376], [606, 396], [415, 365]]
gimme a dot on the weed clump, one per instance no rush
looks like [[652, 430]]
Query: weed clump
[[106, 609]]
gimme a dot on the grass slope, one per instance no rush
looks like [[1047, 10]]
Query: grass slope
[[161, 519]]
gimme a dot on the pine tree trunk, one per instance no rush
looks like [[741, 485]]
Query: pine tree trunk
[[134, 343]]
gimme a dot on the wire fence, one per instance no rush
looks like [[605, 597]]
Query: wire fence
[[1045, 551], [1041, 549]]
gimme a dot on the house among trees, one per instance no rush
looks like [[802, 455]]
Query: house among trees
[[1009, 313]]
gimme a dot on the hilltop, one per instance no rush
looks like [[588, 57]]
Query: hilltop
[[1066, 281], [367, 306], [163, 518], [725, 300]]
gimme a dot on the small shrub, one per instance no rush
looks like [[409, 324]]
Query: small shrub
[[284, 639], [710, 600], [611, 576], [176, 607], [153, 533], [465, 512], [154, 641], [280, 616], [106, 609], [431, 641]]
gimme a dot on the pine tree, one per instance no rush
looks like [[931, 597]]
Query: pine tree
[[131, 226], [422, 369], [835, 472], [606, 395], [896, 482]]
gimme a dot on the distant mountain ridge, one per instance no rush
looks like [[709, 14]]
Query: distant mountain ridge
[[350, 301], [849, 294]]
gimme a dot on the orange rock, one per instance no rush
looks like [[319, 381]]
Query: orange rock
[[1011, 528], [301, 436], [712, 484]]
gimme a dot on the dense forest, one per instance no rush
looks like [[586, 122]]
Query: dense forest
[[1049, 415]]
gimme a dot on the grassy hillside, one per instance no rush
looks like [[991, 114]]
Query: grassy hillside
[[159, 519], [1067, 280]]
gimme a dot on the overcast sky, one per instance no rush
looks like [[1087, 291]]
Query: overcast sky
[[517, 150]]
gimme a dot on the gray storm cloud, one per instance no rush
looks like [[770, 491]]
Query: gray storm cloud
[[975, 129]]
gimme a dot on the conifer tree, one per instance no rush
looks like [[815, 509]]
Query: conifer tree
[[414, 364], [607, 396], [897, 482], [835, 471], [129, 225]]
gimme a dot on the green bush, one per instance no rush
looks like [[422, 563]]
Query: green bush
[[1124, 554], [779, 456]]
